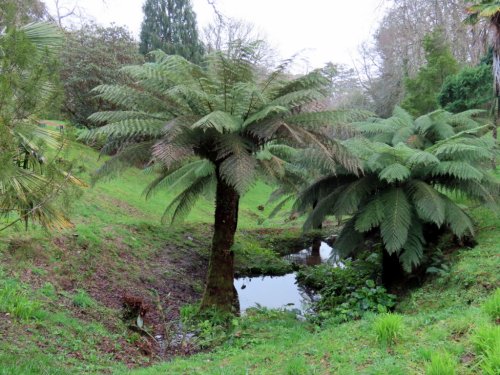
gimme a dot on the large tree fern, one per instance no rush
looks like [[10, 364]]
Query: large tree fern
[[216, 128]]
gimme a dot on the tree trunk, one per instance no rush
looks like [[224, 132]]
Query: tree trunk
[[220, 292], [392, 271], [316, 241]]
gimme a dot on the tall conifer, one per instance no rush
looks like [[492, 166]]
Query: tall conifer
[[170, 25]]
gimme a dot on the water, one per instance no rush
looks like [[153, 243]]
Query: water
[[283, 291]]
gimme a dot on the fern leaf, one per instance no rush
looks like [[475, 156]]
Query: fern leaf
[[394, 172], [429, 203], [397, 219]]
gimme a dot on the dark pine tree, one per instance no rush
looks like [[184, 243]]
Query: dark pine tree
[[170, 25]]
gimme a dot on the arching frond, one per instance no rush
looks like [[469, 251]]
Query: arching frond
[[413, 249], [180, 207], [429, 203], [397, 219]]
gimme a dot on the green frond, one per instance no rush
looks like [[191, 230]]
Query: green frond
[[182, 176], [281, 204], [394, 172], [169, 153], [458, 169], [298, 98], [106, 117], [130, 98], [223, 122], [180, 207], [314, 80], [265, 113], [397, 219], [342, 200], [131, 156], [413, 249], [419, 157], [403, 115], [309, 196], [457, 220], [349, 239], [352, 195], [370, 216], [430, 204], [238, 171], [129, 128]]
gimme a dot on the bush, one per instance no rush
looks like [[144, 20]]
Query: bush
[[492, 306], [369, 298], [388, 328], [441, 364]]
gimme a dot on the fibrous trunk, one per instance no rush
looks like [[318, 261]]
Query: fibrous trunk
[[220, 292]]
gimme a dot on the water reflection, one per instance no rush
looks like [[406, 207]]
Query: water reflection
[[283, 291]]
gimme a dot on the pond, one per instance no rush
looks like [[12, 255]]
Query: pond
[[283, 291]]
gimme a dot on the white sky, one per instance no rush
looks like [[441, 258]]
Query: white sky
[[322, 30]]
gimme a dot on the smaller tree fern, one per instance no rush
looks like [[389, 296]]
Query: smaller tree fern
[[404, 190], [420, 132]]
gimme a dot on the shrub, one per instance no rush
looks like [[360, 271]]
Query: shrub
[[441, 364], [388, 328], [369, 298], [492, 306]]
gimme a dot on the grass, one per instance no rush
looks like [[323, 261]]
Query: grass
[[441, 364], [492, 306], [388, 328]]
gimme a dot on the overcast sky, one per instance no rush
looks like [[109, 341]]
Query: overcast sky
[[323, 30]]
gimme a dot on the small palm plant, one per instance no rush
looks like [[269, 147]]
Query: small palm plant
[[30, 181], [403, 193], [212, 128]]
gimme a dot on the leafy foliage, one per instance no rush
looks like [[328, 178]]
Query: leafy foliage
[[92, 56], [422, 90], [420, 132], [30, 182], [468, 89], [170, 25]]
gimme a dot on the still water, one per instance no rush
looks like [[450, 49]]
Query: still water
[[282, 291]]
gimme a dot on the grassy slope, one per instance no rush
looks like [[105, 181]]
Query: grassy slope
[[118, 245], [440, 317], [49, 324]]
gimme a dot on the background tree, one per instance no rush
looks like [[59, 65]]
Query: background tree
[[490, 10], [397, 52], [93, 55], [30, 181], [219, 122], [422, 90], [21, 12], [468, 89], [170, 25]]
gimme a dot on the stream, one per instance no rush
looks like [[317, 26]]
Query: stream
[[283, 291]]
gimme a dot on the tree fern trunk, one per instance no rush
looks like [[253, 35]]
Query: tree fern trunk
[[220, 292], [393, 274]]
